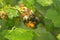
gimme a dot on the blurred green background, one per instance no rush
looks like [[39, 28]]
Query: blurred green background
[[12, 28]]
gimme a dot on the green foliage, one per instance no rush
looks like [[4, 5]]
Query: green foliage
[[20, 34], [10, 2], [12, 27], [58, 37], [44, 35], [54, 16], [30, 4], [48, 24], [45, 2], [11, 13], [0, 5], [2, 24]]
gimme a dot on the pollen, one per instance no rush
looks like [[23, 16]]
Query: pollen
[[30, 24]]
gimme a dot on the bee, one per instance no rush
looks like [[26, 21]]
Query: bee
[[31, 22], [29, 19]]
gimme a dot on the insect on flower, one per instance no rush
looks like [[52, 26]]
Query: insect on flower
[[29, 19]]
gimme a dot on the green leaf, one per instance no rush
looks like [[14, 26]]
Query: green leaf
[[44, 34], [59, 9], [10, 23], [57, 5], [10, 2], [11, 13], [2, 24], [54, 16], [58, 37], [1, 5], [20, 34], [31, 1], [45, 2], [30, 5], [3, 34], [48, 24], [21, 1]]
